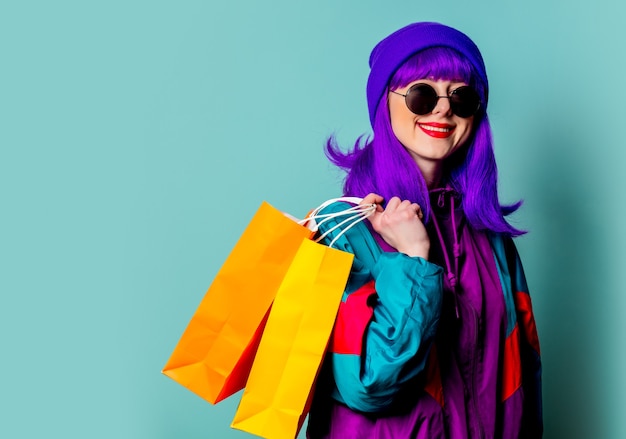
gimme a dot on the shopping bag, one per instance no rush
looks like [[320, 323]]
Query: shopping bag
[[276, 399], [215, 353]]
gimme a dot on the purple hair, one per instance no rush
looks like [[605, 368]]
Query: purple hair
[[382, 165]]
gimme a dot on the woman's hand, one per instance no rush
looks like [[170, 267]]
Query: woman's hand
[[400, 225]]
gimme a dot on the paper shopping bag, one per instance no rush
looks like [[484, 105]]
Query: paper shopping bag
[[215, 353], [275, 401]]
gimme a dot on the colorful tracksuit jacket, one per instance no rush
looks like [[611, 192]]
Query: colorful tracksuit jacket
[[445, 348]]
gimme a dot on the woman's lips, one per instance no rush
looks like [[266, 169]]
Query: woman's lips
[[438, 130]]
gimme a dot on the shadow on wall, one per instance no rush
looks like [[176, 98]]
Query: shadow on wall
[[568, 284]]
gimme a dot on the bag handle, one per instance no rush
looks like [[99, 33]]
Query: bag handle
[[354, 214]]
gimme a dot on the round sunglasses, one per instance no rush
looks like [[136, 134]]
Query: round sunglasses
[[422, 99]]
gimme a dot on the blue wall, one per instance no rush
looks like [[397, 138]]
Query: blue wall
[[138, 137]]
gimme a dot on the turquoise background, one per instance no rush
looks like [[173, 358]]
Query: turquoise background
[[138, 138]]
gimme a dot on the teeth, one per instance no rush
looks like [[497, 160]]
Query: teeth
[[441, 130]]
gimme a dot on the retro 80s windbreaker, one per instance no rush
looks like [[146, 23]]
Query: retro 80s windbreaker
[[445, 348]]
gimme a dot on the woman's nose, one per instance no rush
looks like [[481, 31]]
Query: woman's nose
[[442, 106]]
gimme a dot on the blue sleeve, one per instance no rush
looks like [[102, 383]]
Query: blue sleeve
[[403, 323]]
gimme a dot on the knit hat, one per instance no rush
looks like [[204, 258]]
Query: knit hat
[[391, 52]]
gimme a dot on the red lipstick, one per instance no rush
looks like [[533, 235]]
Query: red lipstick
[[437, 130]]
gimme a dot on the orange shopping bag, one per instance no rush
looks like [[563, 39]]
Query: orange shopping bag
[[276, 399], [215, 353]]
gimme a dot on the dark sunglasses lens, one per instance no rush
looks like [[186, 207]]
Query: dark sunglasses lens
[[421, 99], [464, 101]]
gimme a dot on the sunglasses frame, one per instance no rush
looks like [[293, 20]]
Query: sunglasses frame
[[453, 105]]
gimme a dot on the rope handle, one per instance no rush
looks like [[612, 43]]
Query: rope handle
[[354, 215]]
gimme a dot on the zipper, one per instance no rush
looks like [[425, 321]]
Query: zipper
[[452, 270]]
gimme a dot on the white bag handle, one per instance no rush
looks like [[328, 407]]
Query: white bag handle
[[354, 215]]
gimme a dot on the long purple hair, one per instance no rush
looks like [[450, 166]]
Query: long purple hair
[[382, 165]]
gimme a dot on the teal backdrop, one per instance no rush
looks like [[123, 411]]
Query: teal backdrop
[[138, 137]]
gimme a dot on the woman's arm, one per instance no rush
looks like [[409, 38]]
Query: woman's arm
[[386, 321]]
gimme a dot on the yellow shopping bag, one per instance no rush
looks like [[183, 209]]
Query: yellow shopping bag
[[215, 353], [276, 398]]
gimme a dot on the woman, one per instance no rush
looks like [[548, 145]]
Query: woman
[[435, 336]]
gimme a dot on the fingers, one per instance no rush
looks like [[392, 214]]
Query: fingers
[[393, 204], [397, 205], [374, 199], [400, 225], [418, 210]]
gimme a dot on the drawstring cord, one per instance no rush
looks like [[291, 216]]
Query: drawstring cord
[[451, 272]]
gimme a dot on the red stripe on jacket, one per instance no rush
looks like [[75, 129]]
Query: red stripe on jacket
[[352, 319], [527, 319], [434, 386], [511, 365]]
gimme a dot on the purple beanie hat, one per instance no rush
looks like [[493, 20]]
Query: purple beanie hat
[[390, 53]]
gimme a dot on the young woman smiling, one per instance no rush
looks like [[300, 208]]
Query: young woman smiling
[[435, 336]]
